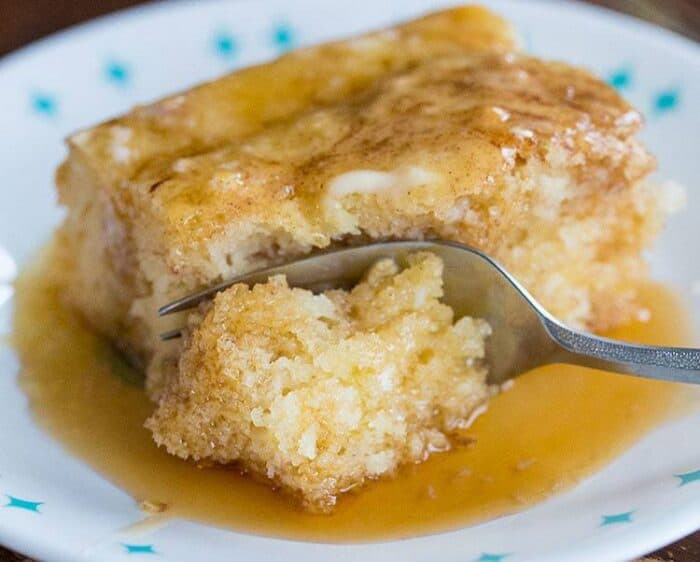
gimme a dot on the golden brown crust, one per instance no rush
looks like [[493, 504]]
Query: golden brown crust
[[469, 120]]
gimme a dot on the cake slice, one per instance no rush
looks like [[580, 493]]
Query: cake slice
[[433, 129], [318, 393]]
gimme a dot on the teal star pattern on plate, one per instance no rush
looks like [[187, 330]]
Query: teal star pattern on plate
[[19, 503], [491, 557], [283, 37], [620, 79], [225, 45], [666, 101], [616, 518], [688, 477], [117, 73], [139, 548], [44, 104]]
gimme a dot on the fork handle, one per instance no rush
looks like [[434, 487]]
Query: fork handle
[[677, 364]]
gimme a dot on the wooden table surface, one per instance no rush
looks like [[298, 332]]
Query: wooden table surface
[[22, 21]]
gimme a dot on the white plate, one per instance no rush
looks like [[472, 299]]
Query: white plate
[[101, 69]]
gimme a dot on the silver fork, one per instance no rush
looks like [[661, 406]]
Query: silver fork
[[524, 335]]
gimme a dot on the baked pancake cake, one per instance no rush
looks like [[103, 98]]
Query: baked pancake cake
[[437, 128]]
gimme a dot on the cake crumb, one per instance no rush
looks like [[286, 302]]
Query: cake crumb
[[523, 464], [151, 506], [643, 315], [519, 498], [464, 440], [465, 472], [507, 385]]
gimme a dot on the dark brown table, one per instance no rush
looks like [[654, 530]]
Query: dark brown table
[[22, 21]]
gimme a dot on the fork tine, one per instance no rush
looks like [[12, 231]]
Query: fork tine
[[314, 272], [190, 301], [171, 334]]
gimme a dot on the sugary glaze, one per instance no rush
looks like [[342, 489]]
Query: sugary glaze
[[459, 128], [555, 426], [246, 101]]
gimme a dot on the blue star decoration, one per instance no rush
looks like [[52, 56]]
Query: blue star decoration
[[620, 79], [666, 101], [283, 37], [44, 104], [19, 503], [117, 73], [139, 548], [616, 518], [491, 557], [688, 477], [225, 45]]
